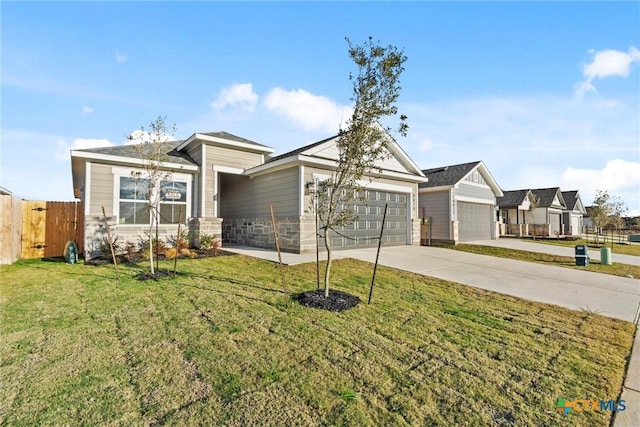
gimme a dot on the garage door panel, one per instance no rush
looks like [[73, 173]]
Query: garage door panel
[[365, 231], [475, 221]]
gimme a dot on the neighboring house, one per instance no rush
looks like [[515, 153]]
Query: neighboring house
[[573, 215], [224, 185], [549, 212], [514, 206], [460, 202]]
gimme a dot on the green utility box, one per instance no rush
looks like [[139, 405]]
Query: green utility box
[[605, 256], [582, 255]]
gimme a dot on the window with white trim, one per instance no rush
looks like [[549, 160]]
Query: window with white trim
[[173, 200], [131, 197], [133, 201]]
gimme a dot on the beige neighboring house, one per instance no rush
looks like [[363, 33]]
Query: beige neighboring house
[[224, 184]]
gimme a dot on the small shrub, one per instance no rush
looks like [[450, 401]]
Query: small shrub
[[179, 241], [131, 253], [105, 248], [210, 243], [143, 244], [170, 253], [188, 253]]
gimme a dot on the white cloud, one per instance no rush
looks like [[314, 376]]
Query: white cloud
[[529, 142], [239, 96], [63, 147], [86, 110], [606, 63], [618, 177], [310, 111], [120, 58]]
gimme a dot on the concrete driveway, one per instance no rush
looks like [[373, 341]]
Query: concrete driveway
[[612, 296]]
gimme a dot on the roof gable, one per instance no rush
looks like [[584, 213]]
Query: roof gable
[[224, 139], [573, 201], [450, 176], [549, 197], [326, 152], [513, 198]]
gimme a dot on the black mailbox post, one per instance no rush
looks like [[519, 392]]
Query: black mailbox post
[[582, 255]]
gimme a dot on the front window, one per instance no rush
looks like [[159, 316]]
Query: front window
[[173, 199], [134, 201]]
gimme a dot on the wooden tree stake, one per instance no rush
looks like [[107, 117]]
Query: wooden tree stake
[[275, 233], [375, 266], [175, 260], [113, 252]]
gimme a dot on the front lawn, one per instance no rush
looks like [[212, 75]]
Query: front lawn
[[615, 269], [221, 345]]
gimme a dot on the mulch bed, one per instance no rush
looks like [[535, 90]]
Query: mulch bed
[[159, 274], [337, 300], [137, 257]]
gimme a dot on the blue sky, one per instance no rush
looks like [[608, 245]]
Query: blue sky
[[546, 94]]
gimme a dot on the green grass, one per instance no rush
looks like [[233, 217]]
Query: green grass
[[221, 345], [618, 248], [616, 269]]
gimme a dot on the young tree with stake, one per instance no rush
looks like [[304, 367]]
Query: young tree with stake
[[363, 142], [152, 148]]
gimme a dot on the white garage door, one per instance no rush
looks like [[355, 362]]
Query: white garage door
[[365, 232], [474, 221]]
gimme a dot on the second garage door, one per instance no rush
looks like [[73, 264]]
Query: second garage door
[[475, 221], [366, 230]]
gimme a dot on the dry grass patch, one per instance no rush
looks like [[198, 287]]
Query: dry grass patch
[[221, 345]]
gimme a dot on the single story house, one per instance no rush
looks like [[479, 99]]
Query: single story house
[[546, 218], [460, 202], [551, 205], [573, 215], [514, 206], [224, 184]]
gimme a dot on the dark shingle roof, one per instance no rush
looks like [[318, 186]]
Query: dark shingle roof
[[129, 151], [546, 196], [447, 175], [570, 198], [512, 198], [231, 137]]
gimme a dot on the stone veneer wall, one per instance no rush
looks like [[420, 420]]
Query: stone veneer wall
[[258, 232], [95, 233]]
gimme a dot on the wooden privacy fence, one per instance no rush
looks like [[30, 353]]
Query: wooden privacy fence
[[10, 228], [39, 229]]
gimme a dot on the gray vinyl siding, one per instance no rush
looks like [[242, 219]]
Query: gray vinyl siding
[[234, 158], [436, 206], [101, 192], [476, 192], [242, 197], [220, 156]]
